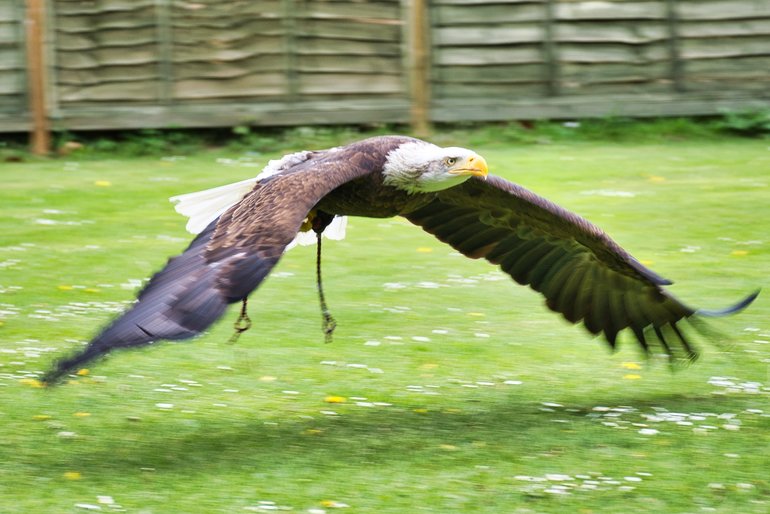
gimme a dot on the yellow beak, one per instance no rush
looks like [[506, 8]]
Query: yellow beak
[[474, 165]]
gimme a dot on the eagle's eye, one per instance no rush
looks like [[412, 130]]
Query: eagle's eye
[[450, 161]]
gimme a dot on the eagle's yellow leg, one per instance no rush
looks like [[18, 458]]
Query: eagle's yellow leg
[[307, 225]]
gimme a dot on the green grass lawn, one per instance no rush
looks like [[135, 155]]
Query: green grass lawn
[[448, 388]]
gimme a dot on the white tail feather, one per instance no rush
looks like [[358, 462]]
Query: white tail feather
[[335, 230], [203, 207]]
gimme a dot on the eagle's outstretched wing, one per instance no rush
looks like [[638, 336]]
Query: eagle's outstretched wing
[[582, 273], [225, 262]]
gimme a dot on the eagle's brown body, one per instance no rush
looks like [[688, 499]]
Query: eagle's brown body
[[583, 274]]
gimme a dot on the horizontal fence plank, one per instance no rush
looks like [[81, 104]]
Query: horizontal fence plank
[[195, 34], [9, 33], [336, 29], [105, 74], [133, 91], [755, 67], [12, 107], [69, 7], [228, 69], [476, 56], [11, 58], [495, 35], [708, 29], [574, 107], [482, 2], [617, 53], [320, 46], [340, 84], [724, 47], [609, 11], [722, 9], [491, 91], [371, 10], [614, 72], [637, 87], [253, 85], [247, 50], [141, 16], [11, 83], [8, 12], [462, 15], [375, 64], [142, 54], [107, 38], [499, 73], [636, 33], [225, 13], [224, 114]]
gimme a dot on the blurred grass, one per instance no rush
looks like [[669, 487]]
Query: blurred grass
[[462, 393]]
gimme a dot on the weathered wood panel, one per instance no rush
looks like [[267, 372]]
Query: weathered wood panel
[[333, 63], [105, 51], [12, 76], [343, 48], [347, 49], [301, 49], [725, 45], [226, 50], [489, 49]]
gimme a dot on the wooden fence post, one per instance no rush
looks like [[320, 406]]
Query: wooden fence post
[[419, 67], [40, 138]]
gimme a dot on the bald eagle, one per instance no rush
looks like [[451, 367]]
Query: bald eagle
[[244, 228]]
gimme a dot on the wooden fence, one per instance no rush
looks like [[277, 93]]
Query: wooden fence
[[121, 64]]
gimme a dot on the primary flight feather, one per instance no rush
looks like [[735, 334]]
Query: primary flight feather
[[244, 228]]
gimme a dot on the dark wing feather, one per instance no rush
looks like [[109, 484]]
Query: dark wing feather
[[582, 273], [225, 262]]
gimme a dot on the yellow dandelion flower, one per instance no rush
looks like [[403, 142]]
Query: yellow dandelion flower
[[632, 376], [421, 411], [64, 288], [92, 290], [647, 262], [477, 314], [429, 365], [313, 431], [102, 183], [73, 475], [630, 365], [657, 178], [739, 253], [41, 417], [424, 249], [32, 382], [82, 372], [335, 399], [332, 504], [82, 414]]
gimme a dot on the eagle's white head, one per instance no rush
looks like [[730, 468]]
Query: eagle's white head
[[421, 167]]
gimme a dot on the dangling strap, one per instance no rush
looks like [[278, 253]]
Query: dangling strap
[[242, 324], [328, 325]]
